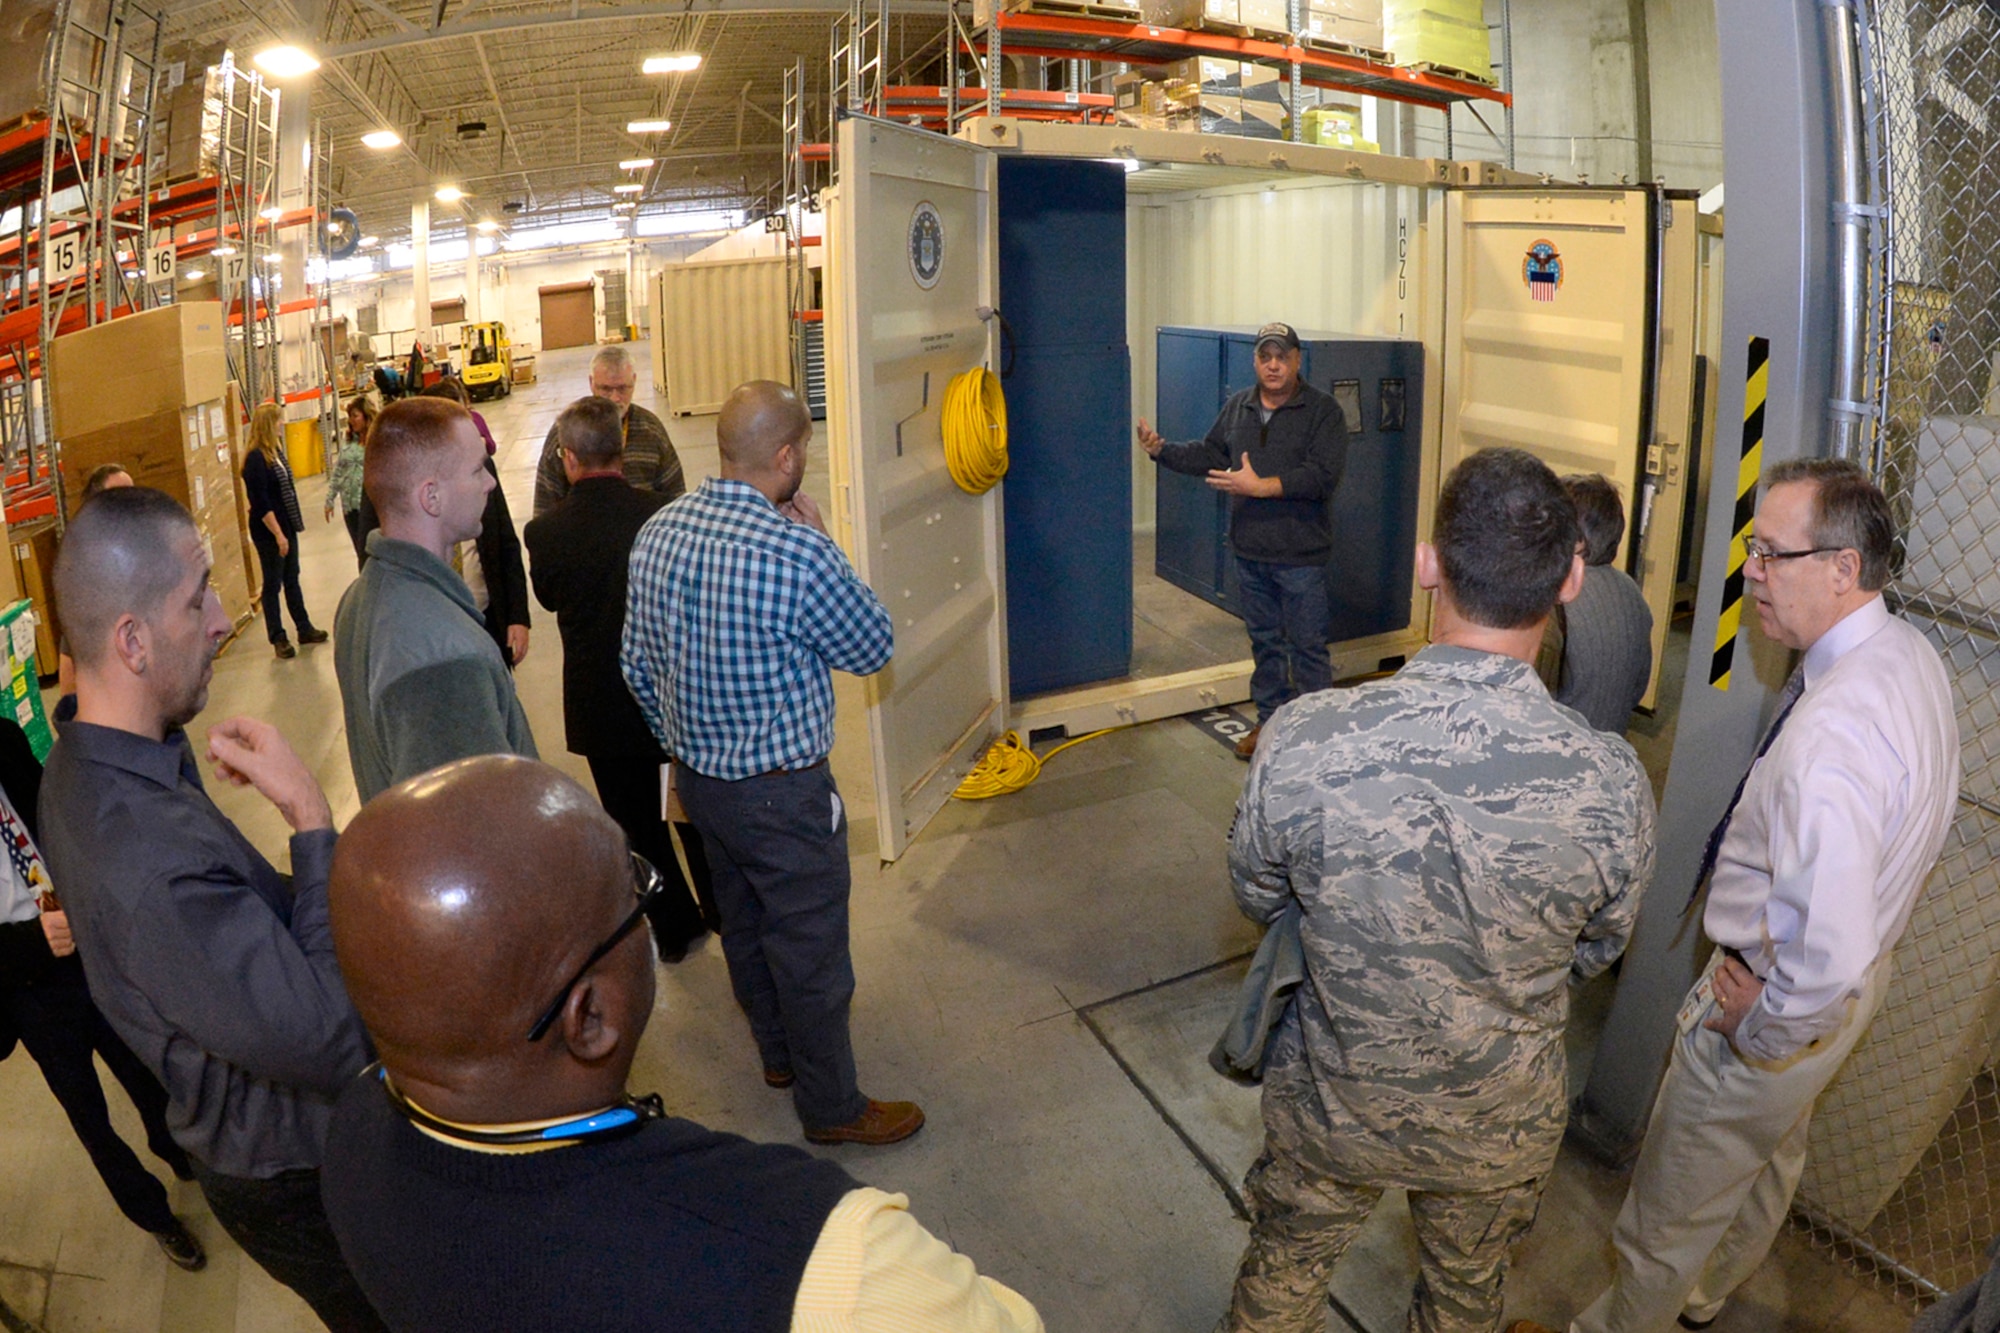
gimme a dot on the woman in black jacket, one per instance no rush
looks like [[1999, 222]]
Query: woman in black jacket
[[274, 527]]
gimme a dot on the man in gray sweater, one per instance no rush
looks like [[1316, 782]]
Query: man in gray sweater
[[421, 682], [1607, 632]]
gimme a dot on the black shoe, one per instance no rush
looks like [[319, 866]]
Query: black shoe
[[181, 1246], [1686, 1322], [283, 648], [312, 636]]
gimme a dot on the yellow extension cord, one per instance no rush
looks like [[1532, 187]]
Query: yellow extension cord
[[974, 423], [975, 448], [1010, 765]]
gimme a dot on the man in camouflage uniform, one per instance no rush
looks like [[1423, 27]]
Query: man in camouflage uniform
[[1459, 847]]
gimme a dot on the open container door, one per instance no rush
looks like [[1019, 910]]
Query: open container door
[[911, 269], [1550, 339]]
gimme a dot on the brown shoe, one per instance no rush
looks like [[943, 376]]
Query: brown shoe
[[1528, 1326], [882, 1122], [1247, 747], [779, 1078]]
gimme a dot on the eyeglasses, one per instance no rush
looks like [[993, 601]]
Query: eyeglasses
[[1764, 553], [647, 886]]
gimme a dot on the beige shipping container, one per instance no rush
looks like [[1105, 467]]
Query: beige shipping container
[[717, 324]]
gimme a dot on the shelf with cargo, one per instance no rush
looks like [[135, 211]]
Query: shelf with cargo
[[929, 106]]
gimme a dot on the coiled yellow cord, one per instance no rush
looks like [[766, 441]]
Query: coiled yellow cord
[[1010, 765], [974, 424]]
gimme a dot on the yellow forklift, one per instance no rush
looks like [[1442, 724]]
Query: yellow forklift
[[486, 360]]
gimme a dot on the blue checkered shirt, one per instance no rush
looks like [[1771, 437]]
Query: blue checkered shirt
[[733, 615]]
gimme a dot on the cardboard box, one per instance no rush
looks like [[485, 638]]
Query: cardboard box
[[1346, 31], [193, 115], [25, 30], [232, 413], [1265, 15], [1361, 11], [1439, 32], [34, 558], [136, 366], [1191, 13]]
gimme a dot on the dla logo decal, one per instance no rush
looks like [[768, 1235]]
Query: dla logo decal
[[926, 245], [1542, 270]]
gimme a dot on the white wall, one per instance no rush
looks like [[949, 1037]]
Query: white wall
[[1321, 256]]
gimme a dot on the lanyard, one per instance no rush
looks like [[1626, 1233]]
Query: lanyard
[[21, 851]]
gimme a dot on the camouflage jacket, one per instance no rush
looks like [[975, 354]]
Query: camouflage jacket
[[1460, 847]]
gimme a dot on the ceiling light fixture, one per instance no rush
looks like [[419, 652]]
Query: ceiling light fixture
[[449, 194], [617, 207], [382, 139], [488, 226], [369, 242], [274, 259], [674, 64], [628, 189], [271, 214], [648, 126], [193, 275], [635, 164], [285, 62], [224, 251]]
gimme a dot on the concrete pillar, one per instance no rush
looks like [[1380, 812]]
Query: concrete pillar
[[297, 367], [420, 268]]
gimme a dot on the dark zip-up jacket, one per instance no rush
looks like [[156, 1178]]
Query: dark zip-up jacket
[[1304, 445]]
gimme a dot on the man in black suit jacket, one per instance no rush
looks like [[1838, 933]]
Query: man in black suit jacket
[[577, 554], [45, 1005]]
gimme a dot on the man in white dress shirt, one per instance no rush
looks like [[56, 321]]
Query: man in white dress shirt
[[1819, 864]]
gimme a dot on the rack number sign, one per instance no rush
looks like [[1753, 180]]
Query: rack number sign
[[235, 269], [160, 263], [62, 256], [926, 245]]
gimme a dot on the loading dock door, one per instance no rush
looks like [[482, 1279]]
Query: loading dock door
[[1549, 311], [911, 262], [569, 315]]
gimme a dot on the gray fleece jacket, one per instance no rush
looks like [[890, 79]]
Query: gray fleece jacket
[[421, 682]]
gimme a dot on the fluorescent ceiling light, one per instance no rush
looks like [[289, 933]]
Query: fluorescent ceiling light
[[224, 250], [370, 242], [675, 64], [635, 164], [449, 194], [271, 214], [193, 275], [488, 225], [648, 126], [274, 259], [285, 62], [627, 205], [628, 189], [380, 139]]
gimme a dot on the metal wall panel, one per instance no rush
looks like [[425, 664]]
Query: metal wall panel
[[716, 325]]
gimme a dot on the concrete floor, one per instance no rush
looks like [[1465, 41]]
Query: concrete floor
[[1044, 972]]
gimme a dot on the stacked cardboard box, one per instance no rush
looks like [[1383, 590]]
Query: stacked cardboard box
[[1451, 33], [1334, 126], [147, 392], [1348, 22], [194, 114], [26, 27], [1206, 96], [983, 10], [33, 549], [234, 420]]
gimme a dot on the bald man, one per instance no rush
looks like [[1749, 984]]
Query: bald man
[[486, 919], [421, 681], [217, 971], [737, 606]]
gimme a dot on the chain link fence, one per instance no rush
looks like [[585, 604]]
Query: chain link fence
[[1904, 1175]]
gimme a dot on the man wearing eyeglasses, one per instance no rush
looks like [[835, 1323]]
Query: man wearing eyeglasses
[[1816, 867], [486, 920], [216, 970]]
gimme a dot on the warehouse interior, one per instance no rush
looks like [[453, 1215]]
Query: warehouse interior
[[1046, 971]]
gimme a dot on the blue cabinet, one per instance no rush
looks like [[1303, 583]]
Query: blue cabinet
[[1067, 374], [1373, 512]]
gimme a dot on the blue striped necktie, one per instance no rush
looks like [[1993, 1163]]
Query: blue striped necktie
[[1788, 698]]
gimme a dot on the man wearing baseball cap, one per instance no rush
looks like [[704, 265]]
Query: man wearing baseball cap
[[1277, 450]]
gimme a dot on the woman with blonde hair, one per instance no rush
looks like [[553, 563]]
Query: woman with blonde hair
[[274, 527]]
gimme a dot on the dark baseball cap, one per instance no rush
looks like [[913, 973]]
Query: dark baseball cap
[[1278, 333]]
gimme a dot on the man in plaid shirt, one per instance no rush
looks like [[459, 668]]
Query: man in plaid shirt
[[737, 607]]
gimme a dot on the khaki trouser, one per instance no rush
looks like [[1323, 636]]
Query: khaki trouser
[[1305, 1217], [1724, 1151]]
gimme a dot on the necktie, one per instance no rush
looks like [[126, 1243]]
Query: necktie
[[1788, 697], [21, 851]]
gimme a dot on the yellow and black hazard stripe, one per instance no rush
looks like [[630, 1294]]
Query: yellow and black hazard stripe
[[1756, 388]]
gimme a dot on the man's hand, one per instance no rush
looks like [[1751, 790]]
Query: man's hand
[[1245, 481], [284, 545], [1736, 989], [251, 753], [55, 925], [801, 509], [1150, 440], [517, 643]]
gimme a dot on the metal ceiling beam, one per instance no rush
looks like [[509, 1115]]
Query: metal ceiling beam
[[577, 14], [499, 107]]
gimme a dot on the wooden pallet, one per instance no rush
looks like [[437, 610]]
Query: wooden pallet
[[1331, 47], [1088, 9], [21, 121], [1446, 71]]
